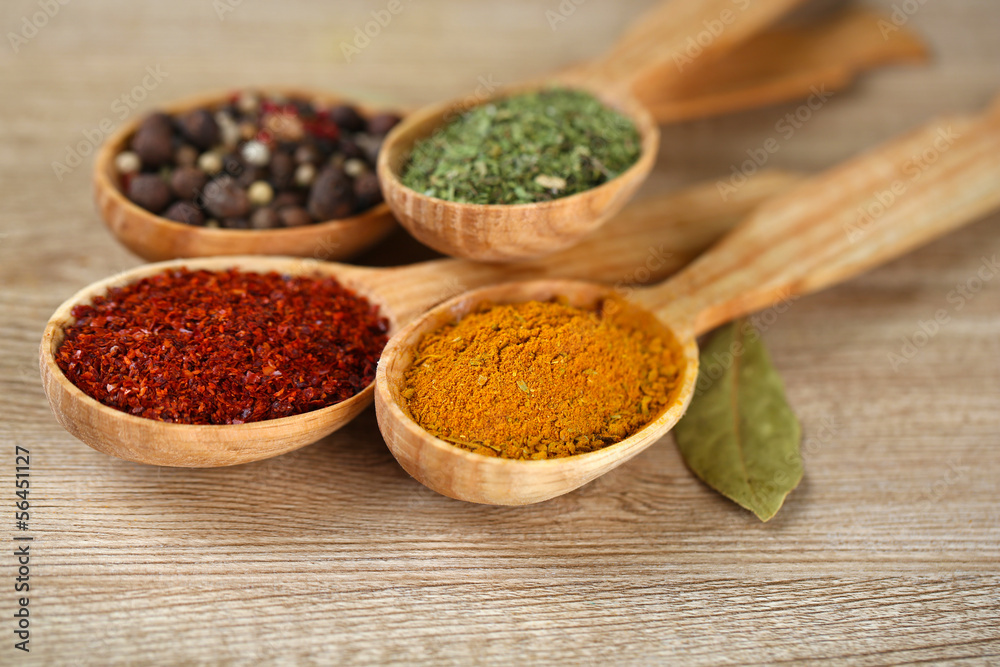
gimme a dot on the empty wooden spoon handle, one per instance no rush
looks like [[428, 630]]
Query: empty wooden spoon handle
[[782, 63], [842, 222], [649, 240], [663, 38]]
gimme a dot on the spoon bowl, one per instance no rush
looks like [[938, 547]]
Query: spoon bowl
[[155, 238], [192, 445], [506, 232], [461, 474]]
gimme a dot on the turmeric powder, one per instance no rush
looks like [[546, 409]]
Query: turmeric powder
[[540, 380]]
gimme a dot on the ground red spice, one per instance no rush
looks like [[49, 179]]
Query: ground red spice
[[228, 347]]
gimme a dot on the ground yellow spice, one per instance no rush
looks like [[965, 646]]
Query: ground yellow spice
[[540, 379]]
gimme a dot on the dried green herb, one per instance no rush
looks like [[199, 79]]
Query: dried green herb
[[739, 434], [526, 148]]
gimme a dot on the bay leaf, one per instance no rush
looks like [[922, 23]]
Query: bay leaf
[[739, 435]]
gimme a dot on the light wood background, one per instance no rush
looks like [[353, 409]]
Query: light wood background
[[888, 552]]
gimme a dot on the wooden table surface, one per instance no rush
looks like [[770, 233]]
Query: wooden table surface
[[888, 552]]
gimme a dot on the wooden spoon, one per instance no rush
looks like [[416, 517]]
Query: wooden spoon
[[156, 238], [831, 227], [526, 231], [650, 240]]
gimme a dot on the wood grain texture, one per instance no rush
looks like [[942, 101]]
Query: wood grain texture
[[785, 62], [887, 553]]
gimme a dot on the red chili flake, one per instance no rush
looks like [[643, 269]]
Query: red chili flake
[[268, 106], [223, 347], [322, 127]]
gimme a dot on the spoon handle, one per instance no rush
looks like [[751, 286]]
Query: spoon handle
[[678, 33], [649, 240], [842, 222]]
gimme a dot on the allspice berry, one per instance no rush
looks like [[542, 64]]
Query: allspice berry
[[150, 192], [225, 199], [187, 182], [199, 127], [186, 212], [154, 145], [347, 118], [331, 195]]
